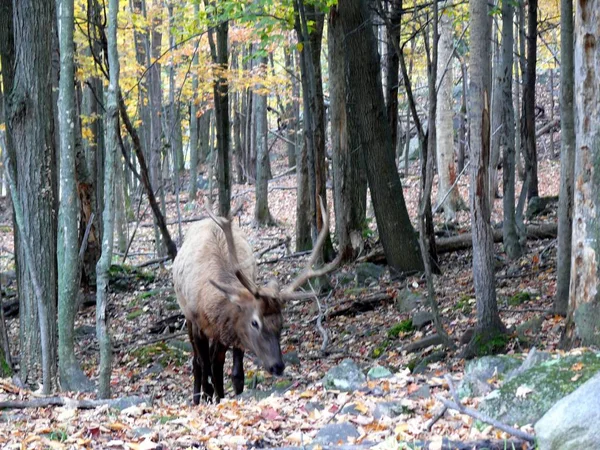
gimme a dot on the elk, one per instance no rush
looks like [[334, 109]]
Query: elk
[[224, 307]]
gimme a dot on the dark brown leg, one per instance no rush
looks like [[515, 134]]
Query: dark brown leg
[[203, 350], [237, 374], [218, 352], [196, 365]]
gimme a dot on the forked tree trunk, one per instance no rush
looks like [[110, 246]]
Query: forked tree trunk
[[489, 327], [583, 321], [368, 124], [512, 246], [567, 159]]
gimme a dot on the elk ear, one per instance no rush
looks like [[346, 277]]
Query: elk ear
[[233, 294]]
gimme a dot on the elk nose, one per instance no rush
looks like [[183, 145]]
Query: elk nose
[[277, 369]]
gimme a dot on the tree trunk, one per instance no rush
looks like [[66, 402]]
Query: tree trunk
[[349, 176], [528, 120], [291, 126], [221, 97], [31, 123], [567, 159], [262, 216], [194, 131], [463, 138], [368, 124], [489, 327], [112, 121], [392, 65], [445, 122], [498, 126], [583, 321], [512, 246], [71, 376]]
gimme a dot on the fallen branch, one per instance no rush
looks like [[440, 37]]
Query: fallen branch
[[550, 126], [153, 261], [362, 305], [428, 341], [162, 338], [465, 241], [44, 402], [279, 258], [456, 405]]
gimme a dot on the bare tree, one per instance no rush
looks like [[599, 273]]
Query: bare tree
[[583, 320], [567, 159], [489, 326]]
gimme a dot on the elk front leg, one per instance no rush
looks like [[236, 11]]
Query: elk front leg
[[218, 352], [196, 364], [237, 373], [203, 350]]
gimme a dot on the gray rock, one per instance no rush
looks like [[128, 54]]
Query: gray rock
[[423, 392], [313, 406], [533, 359], [423, 365], [407, 301], [346, 376], [336, 433], [531, 327], [185, 346], [421, 319], [540, 205], [478, 371], [154, 369], [291, 358], [388, 409], [127, 402], [350, 408], [378, 372], [572, 423], [366, 272], [547, 383]]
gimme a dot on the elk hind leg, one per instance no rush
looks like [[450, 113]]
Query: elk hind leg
[[196, 364]]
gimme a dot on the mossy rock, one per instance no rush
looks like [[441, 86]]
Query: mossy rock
[[549, 382], [519, 298], [134, 314], [380, 349], [404, 327], [160, 353], [124, 277], [5, 370]]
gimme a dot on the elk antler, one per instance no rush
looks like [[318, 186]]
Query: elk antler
[[309, 272], [225, 225]]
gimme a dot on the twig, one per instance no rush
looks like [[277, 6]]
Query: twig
[[86, 235], [162, 338], [279, 243], [153, 261], [340, 408], [451, 188], [293, 255], [435, 418], [480, 416]]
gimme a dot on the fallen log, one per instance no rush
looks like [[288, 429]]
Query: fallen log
[[465, 241], [44, 402], [362, 305]]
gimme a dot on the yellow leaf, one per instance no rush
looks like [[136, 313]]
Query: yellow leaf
[[577, 367], [117, 426]]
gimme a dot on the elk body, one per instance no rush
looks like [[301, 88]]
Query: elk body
[[223, 306]]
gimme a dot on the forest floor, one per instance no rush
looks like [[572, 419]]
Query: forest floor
[[147, 366]]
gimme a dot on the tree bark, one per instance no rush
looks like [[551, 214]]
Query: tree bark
[[567, 159], [489, 326], [512, 246], [368, 124], [583, 320], [32, 126], [221, 97], [445, 121], [349, 176], [528, 120], [262, 215], [314, 114], [71, 376], [112, 121]]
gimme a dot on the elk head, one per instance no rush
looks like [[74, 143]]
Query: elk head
[[259, 319]]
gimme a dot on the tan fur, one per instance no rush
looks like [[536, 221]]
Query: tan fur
[[204, 257]]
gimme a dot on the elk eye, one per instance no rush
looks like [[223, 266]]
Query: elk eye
[[255, 324]]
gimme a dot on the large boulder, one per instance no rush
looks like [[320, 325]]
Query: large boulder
[[346, 376], [526, 397], [572, 423]]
